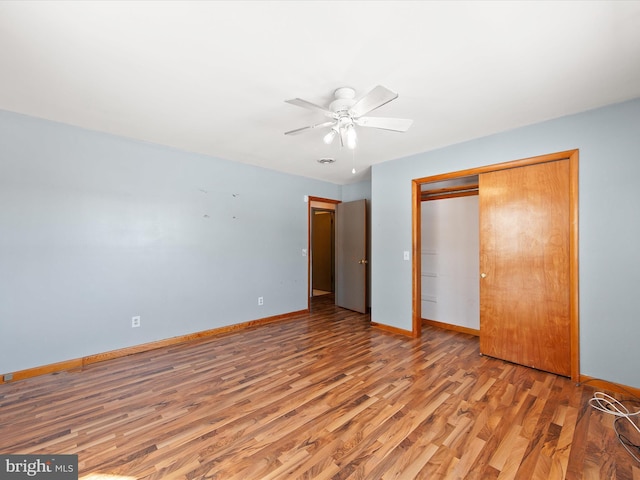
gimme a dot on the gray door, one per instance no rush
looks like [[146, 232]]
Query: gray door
[[351, 255]]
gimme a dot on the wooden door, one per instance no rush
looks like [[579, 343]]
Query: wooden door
[[351, 256], [525, 266], [322, 252]]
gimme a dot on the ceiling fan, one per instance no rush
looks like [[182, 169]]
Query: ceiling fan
[[346, 112]]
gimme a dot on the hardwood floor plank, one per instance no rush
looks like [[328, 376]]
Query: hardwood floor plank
[[411, 462], [503, 452], [322, 395], [511, 465]]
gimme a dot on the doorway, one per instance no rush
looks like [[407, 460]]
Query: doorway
[[450, 255], [570, 186], [322, 251], [320, 260], [349, 252]]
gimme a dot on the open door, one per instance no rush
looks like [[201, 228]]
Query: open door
[[351, 256]]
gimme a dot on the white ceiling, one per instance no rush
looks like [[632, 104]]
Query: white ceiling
[[212, 77]]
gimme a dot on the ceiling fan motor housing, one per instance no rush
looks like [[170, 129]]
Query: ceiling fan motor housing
[[345, 99]]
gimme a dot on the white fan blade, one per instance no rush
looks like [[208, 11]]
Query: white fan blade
[[372, 100], [310, 127], [395, 124], [311, 106]]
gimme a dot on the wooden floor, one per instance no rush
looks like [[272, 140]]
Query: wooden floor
[[323, 395]]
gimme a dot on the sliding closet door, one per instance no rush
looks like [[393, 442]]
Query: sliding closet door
[[524, 266]]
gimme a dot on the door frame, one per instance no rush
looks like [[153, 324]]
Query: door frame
[[416, 200]]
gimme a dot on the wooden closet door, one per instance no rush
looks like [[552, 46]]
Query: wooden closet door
[[524, 266]]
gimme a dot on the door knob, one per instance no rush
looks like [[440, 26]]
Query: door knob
[[482, 275], [362, 262]]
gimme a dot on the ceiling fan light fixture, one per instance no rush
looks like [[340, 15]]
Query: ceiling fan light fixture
[[328, 138], [351, 137]]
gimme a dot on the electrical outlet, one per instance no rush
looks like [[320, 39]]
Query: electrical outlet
[[260, 300], [135, 321]]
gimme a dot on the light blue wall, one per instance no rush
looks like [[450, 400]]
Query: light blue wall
[[609, 230], [357, 191], [95, 229]]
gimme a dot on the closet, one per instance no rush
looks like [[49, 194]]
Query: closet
[[528, 268]]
